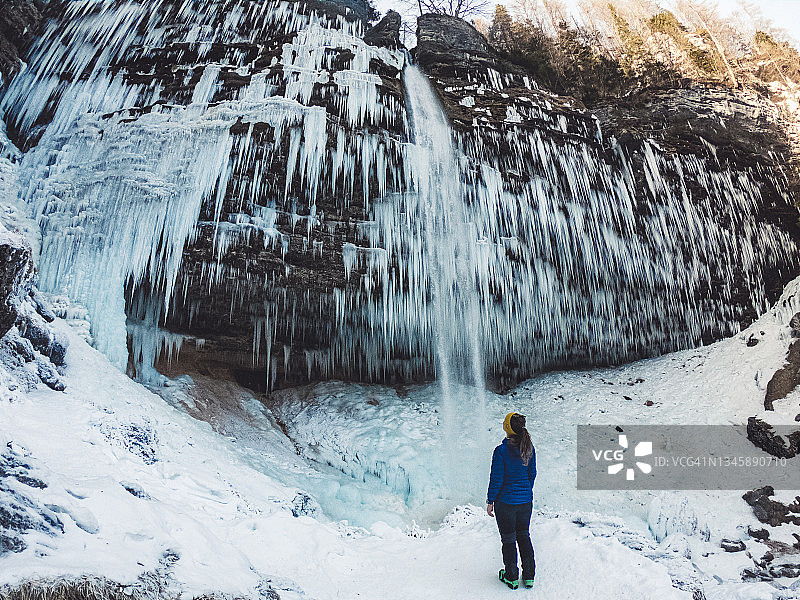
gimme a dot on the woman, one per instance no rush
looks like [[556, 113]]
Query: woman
[[510, 499]]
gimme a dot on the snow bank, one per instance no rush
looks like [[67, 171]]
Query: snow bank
[[142, 487]]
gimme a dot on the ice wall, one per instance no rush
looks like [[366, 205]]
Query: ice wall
[[235, 164], [130, 150]]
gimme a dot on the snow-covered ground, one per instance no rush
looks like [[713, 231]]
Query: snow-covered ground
[[208, 489]]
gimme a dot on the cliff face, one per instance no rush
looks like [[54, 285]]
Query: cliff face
[[19, 22], [703, 148], [258, 186]]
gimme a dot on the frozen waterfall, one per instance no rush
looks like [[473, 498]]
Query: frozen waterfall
[[436, 211], [199, 169]]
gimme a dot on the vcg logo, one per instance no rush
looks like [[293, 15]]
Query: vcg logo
[[617, 457]]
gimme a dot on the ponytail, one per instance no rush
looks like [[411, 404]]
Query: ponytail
[[521, 437]]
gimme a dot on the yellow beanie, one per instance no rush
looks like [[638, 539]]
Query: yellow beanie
[[507, 424]]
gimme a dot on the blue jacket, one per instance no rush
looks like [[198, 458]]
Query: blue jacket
[[510, 481]]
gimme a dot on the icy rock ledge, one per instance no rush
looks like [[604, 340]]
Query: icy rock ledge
[[30, 350]]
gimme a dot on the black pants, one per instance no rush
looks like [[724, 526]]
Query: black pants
[[513, 521]]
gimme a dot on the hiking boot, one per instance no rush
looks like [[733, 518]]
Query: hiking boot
[[528, 583], [513, 584]]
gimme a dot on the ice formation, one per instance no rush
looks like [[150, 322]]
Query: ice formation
[[516, 249]]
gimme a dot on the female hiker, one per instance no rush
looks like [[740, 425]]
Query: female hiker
[[510, 499]]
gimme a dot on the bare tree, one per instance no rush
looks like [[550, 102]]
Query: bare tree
[[455, 8], [704, 14]]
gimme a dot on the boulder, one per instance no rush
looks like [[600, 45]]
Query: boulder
[[770, 511], [785, 379], [763, 435], [732, 545]]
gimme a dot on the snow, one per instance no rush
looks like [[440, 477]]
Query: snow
[[232, 526], [339, 490], [210, 476]]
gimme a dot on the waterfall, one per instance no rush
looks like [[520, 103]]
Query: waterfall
[[447, 243], [255, 165]]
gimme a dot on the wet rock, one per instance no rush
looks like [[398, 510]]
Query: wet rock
[[785, 379], [764, 436], [386, 33], [732, 545]]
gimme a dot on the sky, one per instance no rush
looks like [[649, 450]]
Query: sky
[[784, 13]]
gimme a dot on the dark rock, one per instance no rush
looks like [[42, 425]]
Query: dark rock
[[758, 534], [58, 349], [785, 379], [770, 511], [791, 571], [10, 543], [450, 47], [34, 328], [134, 489], [386, 33], [649, 403], [732, 545], [764, 436], [141, 439], [19, 514], [11, 465], [24, 348], [797, 418], [794, 323], [16, 272], [18, 24]]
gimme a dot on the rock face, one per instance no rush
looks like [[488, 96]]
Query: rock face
[[293, 230], [386, 32], [19, 21], [450, 47], [16, 274]]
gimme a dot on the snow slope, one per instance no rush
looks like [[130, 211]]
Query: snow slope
[[137, 482], [196, 495]]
